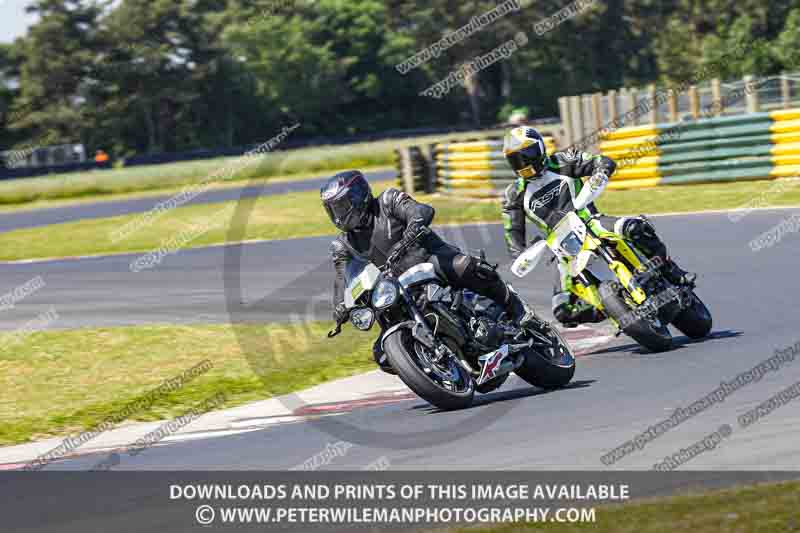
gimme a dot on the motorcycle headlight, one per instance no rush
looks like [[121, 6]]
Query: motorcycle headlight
[[572, 244], [384, 295], [362, 318]]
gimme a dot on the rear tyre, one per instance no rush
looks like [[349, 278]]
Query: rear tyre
[[652, 334], [695, 321], [408, 358], [548, 367]]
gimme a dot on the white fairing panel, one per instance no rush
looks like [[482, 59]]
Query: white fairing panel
[[418, 274], [580, 262], [570, 227], [362, 283], [528, 259]]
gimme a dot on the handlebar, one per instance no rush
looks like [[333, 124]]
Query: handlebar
[[395, 256], [403, 247]]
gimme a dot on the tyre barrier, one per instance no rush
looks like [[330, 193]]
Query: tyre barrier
[[475, 169], [416, 172], [759, 146]]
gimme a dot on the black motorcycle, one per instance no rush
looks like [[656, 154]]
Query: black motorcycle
[[446, 344]]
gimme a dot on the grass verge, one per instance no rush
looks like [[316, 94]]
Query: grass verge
[[768, 508], [303, 161], [702, 197], [62, 382], [300, 215], [272, 217], [46, 203]]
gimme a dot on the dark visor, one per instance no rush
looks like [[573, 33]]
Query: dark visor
[[530, 156], [339, 209]]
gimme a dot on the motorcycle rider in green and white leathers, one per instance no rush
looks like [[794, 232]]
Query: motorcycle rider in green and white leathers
[[544, 193]]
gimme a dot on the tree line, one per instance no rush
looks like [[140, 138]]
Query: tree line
[[149, 76]]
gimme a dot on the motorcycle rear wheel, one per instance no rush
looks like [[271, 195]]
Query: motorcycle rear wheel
[[695, 321], [551, 370]]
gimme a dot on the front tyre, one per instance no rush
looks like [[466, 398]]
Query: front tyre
[[650, 333], [549, 363], [447, 385], [695, 320]]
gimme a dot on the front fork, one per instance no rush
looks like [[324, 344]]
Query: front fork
[[588, 291], [422, 332]]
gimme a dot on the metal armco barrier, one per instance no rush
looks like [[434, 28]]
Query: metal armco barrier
[[757, 146]]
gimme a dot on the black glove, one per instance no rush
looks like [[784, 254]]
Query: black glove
[[341, 313], [397, 252], [411, 236], [416, 229]]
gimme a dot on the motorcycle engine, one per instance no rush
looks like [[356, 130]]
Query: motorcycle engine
[[486, 332], [488, 335]]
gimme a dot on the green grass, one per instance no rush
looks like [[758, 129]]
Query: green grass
[[62, 382], [161, 190], [300, 215], [95, 185], [768, 508], [270, 217], [684, 198]]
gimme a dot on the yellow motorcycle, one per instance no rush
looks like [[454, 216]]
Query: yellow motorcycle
[[607, 271]]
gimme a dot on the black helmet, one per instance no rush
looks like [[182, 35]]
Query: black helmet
[[525, 151], [347, 198]]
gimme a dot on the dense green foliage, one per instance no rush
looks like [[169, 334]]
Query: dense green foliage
[[135, 76]]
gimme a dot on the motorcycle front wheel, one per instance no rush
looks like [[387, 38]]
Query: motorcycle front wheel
[[652, 334], [446, 385]]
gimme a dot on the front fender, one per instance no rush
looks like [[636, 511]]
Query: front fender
[[408, 324], [578, 264]]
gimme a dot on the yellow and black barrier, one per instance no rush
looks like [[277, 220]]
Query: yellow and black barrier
[[758, 146], [475, 169]]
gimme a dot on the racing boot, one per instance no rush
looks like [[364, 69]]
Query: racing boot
[[642, 232], [571, 311], [520, 312]]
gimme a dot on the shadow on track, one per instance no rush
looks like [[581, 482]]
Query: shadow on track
[[505, 396], [679, 343]]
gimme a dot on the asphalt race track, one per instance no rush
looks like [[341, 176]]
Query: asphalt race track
[[617, 392], [280, 280], [113, 208]]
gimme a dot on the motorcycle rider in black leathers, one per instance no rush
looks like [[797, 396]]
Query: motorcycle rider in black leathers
[[373, 229], [544, 192]]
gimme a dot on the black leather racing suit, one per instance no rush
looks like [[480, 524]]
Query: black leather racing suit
[[396, 217], [547, 199]]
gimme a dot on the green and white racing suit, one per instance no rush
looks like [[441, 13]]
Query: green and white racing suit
[[547, 199]]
